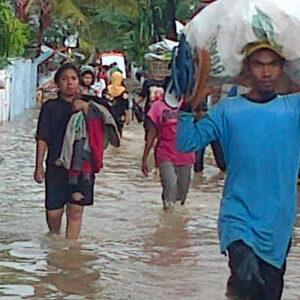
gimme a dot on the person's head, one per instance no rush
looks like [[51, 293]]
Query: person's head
[[67, 80], [96, 67], [116, 78], [157, 75], [87, 76], [265, 67]]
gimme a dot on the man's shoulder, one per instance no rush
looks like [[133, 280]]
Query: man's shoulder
[[50, 103], [228, 101], [294, 96]]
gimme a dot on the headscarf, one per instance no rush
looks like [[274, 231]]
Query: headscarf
[[116, 88]]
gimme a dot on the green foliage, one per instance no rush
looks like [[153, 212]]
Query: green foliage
[[129, 25], [55, 34], [13, 34], [123, 25], [69, 10], [119, 30]]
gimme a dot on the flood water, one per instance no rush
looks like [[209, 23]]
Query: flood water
[[129, 247]]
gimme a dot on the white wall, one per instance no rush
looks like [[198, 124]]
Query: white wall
[[4, 95], [20, 80]]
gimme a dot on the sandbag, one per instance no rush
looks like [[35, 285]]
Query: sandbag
[[225, 27]]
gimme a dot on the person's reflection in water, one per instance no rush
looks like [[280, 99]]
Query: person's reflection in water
[[70, 272], [166, 246]]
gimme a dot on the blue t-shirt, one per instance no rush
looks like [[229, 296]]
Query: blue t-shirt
[[261, 148]]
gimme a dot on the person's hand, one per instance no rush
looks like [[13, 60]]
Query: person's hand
[[39, 174], [81, 105], [200, 114], [145, 169]]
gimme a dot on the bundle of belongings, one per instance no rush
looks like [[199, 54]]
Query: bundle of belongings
[[214, 43], [85, 139], [159, 56]]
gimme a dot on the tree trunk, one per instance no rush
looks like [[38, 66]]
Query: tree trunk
[[170, 20]]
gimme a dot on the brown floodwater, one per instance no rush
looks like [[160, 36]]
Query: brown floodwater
[[129, 247]]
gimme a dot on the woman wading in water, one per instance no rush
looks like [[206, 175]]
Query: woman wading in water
[[52, 124]]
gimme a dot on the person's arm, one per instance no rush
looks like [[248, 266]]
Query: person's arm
[[151, 136], [144, 92], [42, 140], [126, 107], [193, 135], [41, 149]]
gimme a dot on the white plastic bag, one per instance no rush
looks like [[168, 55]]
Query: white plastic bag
[[225, 27]]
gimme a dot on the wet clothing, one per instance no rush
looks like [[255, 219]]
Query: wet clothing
[[174, 166], [218, 156], [75, 131], [164, 118], [261, 149], [215, 146], [117, 97], [60, 193], [52, 123], [148, 93], [118, 106], [251, 277], [99, 86], [175, 181], [88, 149]]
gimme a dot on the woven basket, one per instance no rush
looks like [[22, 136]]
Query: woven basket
[[159, 67]]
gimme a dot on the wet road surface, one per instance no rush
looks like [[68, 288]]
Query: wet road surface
[[129, 247]]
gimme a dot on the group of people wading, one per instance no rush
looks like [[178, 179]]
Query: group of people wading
[[258, 133]]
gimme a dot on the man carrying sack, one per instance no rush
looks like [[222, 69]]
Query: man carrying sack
[[251, 43], [259, 133]]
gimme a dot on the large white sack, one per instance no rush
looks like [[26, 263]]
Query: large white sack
[[225, 27]]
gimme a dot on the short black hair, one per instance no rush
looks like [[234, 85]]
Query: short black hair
[[63, 68]]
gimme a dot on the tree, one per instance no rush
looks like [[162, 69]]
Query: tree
[[39, 15], [13, 34], [124, 25]]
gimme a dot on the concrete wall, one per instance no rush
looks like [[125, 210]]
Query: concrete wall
[[19, 93]]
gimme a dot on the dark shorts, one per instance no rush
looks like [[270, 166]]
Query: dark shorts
[[59, 194], [251, 277]]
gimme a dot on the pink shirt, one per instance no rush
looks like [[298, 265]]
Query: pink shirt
[[164, 119]]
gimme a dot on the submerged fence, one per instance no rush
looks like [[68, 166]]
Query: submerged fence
[[17, 88]]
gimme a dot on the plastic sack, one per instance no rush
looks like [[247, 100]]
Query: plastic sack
[[225, 27]]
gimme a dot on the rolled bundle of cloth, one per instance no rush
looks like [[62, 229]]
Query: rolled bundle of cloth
[[84, 142], [218, 37]]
